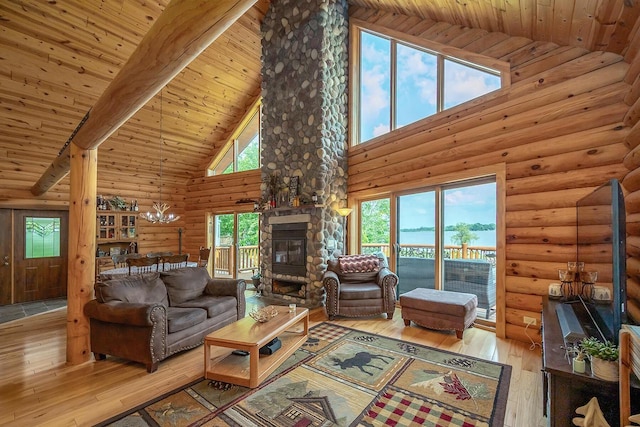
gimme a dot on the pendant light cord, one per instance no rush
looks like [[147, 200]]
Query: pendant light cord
[[161, 143]]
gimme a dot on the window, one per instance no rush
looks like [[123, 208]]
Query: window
[[242, 152], [400, 83], [375, 226], [42, 237]]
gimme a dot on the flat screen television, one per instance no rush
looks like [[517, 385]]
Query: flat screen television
[[601, 242]]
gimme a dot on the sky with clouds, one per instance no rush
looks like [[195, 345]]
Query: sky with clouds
[[416, 88], [471, 204]]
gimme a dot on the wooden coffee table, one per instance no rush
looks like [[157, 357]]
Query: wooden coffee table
[[247, 334]]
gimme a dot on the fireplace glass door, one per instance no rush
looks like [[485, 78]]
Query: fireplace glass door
[[289, 249], [290, 252]]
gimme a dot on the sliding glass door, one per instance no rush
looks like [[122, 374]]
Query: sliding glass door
[[236, 250], [445, 238], [416, 234], [224, 244], [469, 224]]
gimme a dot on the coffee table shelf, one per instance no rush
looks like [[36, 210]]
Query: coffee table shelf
[[247, 334]]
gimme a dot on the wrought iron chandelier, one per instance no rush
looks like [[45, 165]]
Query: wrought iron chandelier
[[160, 207]]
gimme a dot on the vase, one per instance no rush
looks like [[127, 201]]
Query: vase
[[605, 369], [579, 366]]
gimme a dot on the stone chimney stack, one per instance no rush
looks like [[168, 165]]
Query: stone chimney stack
[[304, 135]]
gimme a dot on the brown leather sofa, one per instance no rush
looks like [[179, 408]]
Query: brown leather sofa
[[148, 317], [359, 292]]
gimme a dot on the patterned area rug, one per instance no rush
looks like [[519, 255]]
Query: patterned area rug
[[344, 377]]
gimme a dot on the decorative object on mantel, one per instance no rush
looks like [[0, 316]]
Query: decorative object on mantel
[[159, 207], [264, 314], [273, 187]]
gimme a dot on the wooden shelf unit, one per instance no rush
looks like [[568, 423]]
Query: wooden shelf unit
[[116, 229]]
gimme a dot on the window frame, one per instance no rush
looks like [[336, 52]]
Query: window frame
[[441, 51], [232, 142]]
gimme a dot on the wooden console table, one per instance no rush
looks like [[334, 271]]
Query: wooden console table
[[247, 334], [564, 390]]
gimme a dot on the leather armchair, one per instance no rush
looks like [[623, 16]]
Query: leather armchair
[[368, 289]]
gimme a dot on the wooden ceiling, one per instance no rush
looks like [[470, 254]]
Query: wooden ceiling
[[57, 58]]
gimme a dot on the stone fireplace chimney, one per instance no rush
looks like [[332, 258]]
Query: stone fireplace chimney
[[304, 135]]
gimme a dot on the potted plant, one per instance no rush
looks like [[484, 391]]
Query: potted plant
[[579, 362], [255, 278], [603, 357]]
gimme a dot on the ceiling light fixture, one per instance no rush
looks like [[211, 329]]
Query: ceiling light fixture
[[160, 207]]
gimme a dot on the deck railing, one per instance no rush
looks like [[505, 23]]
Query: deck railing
[[429, 251], [249, 256], [248, 259]]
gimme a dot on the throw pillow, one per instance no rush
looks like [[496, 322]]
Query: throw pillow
[[139, 288], [184, 284], [359, 263]]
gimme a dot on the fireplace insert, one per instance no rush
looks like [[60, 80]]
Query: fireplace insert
[[289, 248]]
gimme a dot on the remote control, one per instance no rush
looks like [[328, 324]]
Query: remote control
[[240, 352]]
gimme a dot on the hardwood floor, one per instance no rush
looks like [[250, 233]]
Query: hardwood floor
[[38, 388]]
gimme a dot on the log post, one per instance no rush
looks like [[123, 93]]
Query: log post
[[82, 250]]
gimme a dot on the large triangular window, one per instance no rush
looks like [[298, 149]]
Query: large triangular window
[[242, 151]]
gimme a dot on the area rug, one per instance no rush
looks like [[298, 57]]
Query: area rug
[[344, 377]]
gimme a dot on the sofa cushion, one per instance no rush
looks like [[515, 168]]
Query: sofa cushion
[[360, 291], [179, 318], [184, 284], [212, 304], [139, 288]]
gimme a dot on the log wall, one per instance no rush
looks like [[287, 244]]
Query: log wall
[[631, 182], [560, 130], [16, 178]]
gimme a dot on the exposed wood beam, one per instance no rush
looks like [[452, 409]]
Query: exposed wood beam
[[181, 33]]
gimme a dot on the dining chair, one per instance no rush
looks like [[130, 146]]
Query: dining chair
[[159, 254], [143, 264], [119, 261], [203, 258], [103, 264], [174, 261]]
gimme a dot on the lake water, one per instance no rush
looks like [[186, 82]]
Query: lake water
[[485, 238]]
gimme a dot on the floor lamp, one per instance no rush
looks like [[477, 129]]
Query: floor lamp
[[344, 213]]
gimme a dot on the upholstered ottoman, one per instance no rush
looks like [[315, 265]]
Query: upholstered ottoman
[[439, 309]]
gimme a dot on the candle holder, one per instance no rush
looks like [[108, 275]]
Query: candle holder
[[588, 279], [566, 280]]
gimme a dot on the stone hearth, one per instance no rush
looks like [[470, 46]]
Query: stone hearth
[[304, 135]]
